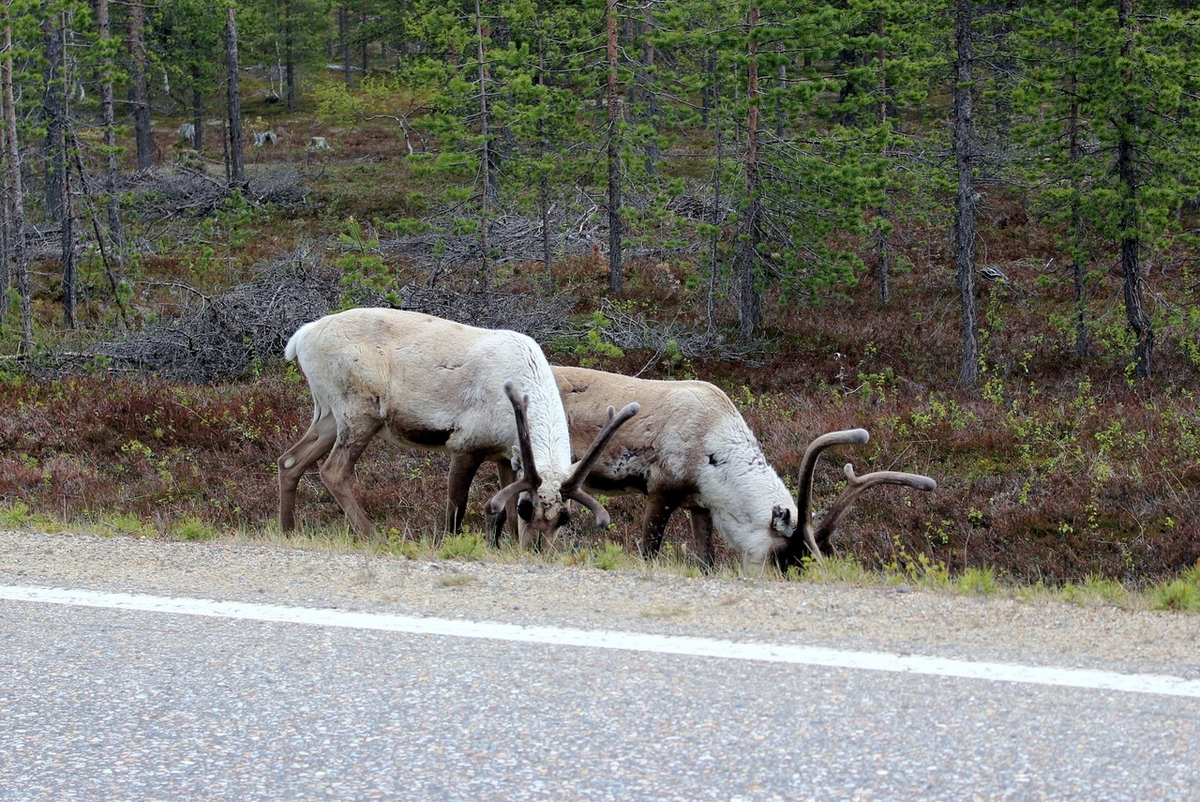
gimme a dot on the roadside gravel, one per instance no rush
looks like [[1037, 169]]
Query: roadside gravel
[[895, 619]]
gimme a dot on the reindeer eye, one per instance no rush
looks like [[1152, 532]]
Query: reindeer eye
[[525, 509], [564, 517]]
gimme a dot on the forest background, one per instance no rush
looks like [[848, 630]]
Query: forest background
[[968, 228]]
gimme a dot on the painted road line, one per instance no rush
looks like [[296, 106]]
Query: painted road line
[[1160, 684]]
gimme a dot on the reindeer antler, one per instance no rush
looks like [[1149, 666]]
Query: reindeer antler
[[530, 481], [817, 539], [572, 488], [857, 484]]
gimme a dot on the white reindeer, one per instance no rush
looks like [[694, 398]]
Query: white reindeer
[[431, 383], [691, 448]]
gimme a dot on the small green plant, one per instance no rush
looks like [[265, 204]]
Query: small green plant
[[464, 546], [920, 569], [833, 569], [15, 515], [978, 581], [363, 269], [123, 523], [607, 557], [594, 344], [192, 528], [455, 580], [1175, 595]]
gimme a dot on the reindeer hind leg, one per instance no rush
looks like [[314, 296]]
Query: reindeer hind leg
[[294, 462]]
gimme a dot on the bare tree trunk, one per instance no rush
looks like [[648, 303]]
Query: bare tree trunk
[[5, 239], [236, 163], [344, 36], [883, 248], [614, 155], [1131, 245], [715, 239], [58, 174], [649, 95], [1075, 153], [289, 54], [965, 200], [749, 302], [109, 121], [70, 266], [139, 96], [197, 111], [13, 154], [485, 158], [543, 178], [363, 33], [53, 102]]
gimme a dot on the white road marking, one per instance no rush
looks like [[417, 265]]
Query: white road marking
[[1160, 684]]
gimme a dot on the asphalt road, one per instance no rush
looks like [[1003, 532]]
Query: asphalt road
[[99, 703]]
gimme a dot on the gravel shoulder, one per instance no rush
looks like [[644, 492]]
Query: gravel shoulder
[[895, 619]]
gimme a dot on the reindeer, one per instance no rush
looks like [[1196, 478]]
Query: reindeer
[[430, 383], [691, 448]]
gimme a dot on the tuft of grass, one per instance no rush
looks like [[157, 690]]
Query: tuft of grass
[[123, 523], [978, 582], [1178, 595], [192, 528], [833, 570], [464, 546], [455, 580], [608, 556], [15, 515], [1094, 590]]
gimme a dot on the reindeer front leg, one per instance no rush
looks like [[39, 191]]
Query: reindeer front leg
[[463, 467], [495, 523], [702, 537], [658, 512]]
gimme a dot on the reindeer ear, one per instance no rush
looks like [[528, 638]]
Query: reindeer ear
[[781, 521]]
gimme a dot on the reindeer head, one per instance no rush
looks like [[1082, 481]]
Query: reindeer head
[[811, 541], [542, 507]]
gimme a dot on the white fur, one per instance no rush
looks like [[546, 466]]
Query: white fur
[[417, 379], [683, 428]]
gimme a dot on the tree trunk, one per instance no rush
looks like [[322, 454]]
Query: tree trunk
[[485, 159], [139, 92], [108, 115], [749, 302], [19, 252], [344, 35], [237, 166], [362, 28], [965, 200], [883, 249], [289, 55], [53, 102], [543, 178], [197, 111], [1131, 245], [1075, 155], [614, 155], [714, 240], [649, 96]]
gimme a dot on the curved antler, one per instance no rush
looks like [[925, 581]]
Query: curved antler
[[816, 540], [530, 480], [847, 437], [572, 488], [857, 484]]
